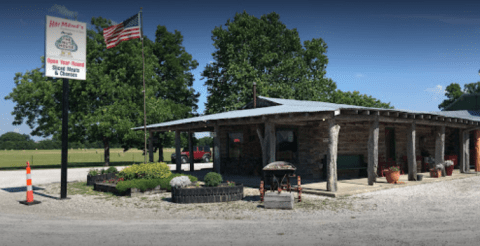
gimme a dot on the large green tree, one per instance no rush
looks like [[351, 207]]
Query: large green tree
[[454, 92], [13, 140], [264, 51], [109, 102]]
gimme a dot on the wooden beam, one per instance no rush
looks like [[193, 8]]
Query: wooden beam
[[178, 153], [302, 117], [190, 149], [271, 140], [333, 132], [411, 156], [216, 150], [373, 152], [263, 145], [384, 119], [150, 147]]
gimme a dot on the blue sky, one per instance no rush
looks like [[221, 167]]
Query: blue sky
[[402, 52]]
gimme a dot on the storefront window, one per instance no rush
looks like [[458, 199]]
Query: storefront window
[[235, 141]]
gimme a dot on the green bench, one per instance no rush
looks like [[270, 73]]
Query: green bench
[[347, 162]]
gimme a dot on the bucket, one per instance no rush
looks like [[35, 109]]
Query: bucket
[[419, 177]]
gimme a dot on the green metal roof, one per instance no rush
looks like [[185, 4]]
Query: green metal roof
[[465, 102]]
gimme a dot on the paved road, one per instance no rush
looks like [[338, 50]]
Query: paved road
[[17, 178]]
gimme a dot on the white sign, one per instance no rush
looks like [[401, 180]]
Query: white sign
[[65, 48]]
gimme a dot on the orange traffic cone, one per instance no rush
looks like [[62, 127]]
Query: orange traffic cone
[[29, 200]]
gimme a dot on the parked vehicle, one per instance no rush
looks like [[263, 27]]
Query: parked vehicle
[[200, 153]]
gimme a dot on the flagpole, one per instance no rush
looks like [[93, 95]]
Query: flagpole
[[144, 104]]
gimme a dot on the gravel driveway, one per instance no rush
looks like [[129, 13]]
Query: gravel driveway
[[442, 213]]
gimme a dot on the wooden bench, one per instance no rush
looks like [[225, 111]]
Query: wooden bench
[[347, 162]]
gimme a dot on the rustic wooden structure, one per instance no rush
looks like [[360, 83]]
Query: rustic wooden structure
[[303, 132]]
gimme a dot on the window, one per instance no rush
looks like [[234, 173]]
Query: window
[[286, 145], [235, 141]]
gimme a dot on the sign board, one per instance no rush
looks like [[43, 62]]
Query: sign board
[[65, 48]]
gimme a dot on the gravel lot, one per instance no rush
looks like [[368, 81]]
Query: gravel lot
[[442, 213]]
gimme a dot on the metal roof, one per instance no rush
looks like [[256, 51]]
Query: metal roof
[[298, 106], [465, 102]]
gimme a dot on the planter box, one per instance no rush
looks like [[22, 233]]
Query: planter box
[[133, 192], [99, 178], [207, 194]]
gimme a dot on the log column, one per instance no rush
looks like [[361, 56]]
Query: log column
[[467, 152], [190, 149], [412, 161], [440, 147], [160, 148], [216, 150], [373, 152], [477, 150], [332, 155], [271, 140], [178, 153], [461, 156], [150, 148]]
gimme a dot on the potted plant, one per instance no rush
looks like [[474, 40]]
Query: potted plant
[[436, 172], [449, 167], [392, 174]]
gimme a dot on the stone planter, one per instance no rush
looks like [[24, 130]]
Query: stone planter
[[207, 194], [99, 178], [133, 192]]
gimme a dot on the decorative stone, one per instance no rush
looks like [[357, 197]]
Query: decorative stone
[[274, 200]]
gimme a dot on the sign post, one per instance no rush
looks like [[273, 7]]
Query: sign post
[[65, 57]]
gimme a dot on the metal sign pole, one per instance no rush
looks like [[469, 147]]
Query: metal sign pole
[[63, 190]]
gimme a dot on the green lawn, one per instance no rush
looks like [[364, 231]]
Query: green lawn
[[17, 159]]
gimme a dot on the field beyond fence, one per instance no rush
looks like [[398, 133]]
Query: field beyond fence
[[17, 159]]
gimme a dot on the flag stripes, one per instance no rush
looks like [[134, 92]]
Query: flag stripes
[[127, 30]]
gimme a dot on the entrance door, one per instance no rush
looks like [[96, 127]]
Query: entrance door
[[390, 144]]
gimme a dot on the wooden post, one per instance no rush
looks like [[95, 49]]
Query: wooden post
[[271, 140], [178, 152], [467, 152], [477, 150], [216, 150], [440, 147], [190, 149], [150, 148], [411, 156], [160, 149], [332, 155], [373, 152], [462, 152]]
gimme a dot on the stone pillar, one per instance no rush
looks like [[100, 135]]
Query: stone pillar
[[216, 150], [440, 146], [411, 156], [373, 152], [332, 155], [178, 152], [477, 150], [190, 149], [150, 148]]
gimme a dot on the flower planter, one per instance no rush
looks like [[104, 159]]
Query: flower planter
[[449, 170], [392, 176], [133, 192], [435, 173], [91, 180], [207, 194]]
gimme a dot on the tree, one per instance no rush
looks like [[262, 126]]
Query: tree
[[354, 98], [13, 140], [110, 102], [266, 52], [205, 141], [454, 92]]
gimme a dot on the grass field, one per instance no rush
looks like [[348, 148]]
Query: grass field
[[17, 159]]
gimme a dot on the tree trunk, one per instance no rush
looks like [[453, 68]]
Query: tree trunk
[[467, 152], [178, 153], [373, 152], [190, 150], [106, 152], [332, 156], [412, 158], [462, 152], [440, 148], [160, 149], [150, 148]]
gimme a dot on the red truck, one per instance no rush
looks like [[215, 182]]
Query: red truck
[[200, 153]]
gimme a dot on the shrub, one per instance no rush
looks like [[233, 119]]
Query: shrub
[[103, 171], [141, 184], [181, 181], [212, 179], [112, 170], [92, 172], [165, 183], [394, 169], [146, 171]]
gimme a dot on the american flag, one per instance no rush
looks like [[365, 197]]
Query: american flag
[[128, 29]]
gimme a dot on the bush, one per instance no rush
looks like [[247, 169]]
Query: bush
[[141, 184], [212, 179], [181, 181], [158, 170], [92, 172], [165, 183], [112, 170]]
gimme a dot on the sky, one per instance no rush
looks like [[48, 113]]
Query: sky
[[402, 52]]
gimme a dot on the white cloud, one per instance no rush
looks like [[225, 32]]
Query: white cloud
[[62, 10], [436, 92], [17, 130]]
